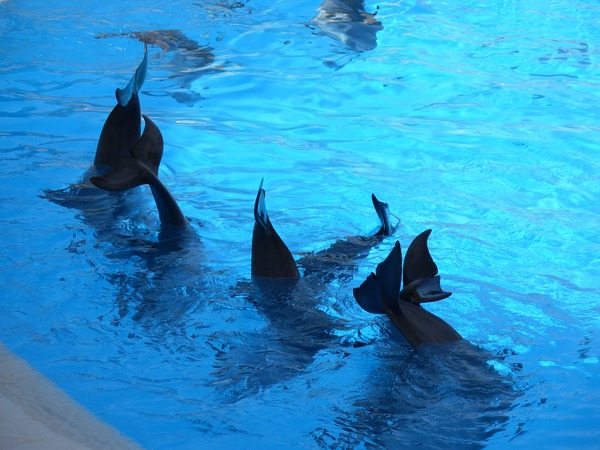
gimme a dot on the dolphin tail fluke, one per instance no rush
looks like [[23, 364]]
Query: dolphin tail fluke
[[136, 82], [421, 280], [379, 293]]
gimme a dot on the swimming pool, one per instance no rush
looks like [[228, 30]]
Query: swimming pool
[[476, 119]]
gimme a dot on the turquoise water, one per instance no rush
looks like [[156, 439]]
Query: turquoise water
[[475, 119]]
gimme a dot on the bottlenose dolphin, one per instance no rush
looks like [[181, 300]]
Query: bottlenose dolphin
[[124, 159], [129, 160], [298, 323], [380, 294], [339, 261], [348, 22]]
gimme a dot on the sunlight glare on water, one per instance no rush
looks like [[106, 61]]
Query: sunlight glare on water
[[475, 119]]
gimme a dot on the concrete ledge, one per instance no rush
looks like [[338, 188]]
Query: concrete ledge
[[35, 413]]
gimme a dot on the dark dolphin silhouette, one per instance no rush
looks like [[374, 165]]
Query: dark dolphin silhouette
[[297, 325], [339, 261], [119, 134], [381, 294]]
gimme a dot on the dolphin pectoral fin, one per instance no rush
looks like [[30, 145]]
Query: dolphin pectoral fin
[[421, 281], [140, 166], [418, 263], [379, 293], [368, 295], [424, 290], [260, 209], [149, 148], [271, 258], [135, 84]]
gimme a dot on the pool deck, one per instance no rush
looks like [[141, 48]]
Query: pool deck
[[36, 414]]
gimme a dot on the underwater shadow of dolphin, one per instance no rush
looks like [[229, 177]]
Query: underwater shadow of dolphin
[[189, 60], [347, 21], [380, 294]]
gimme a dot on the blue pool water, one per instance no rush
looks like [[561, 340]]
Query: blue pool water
[[476, 119]]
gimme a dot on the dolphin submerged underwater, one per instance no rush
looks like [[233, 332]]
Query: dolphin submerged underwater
[[348, 22]]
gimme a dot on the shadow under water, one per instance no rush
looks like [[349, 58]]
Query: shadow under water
[[438, 397]]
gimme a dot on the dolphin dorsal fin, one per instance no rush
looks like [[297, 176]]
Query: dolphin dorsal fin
[[379, 292], [420, 281], [135, 84]]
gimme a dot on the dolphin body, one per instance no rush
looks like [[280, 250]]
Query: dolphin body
[[188, 60], [380, 294]]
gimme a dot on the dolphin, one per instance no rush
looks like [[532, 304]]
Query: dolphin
[[348, 22], [140, 166], [380, 294], [185, 58], [124, 159], [120, 132]]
